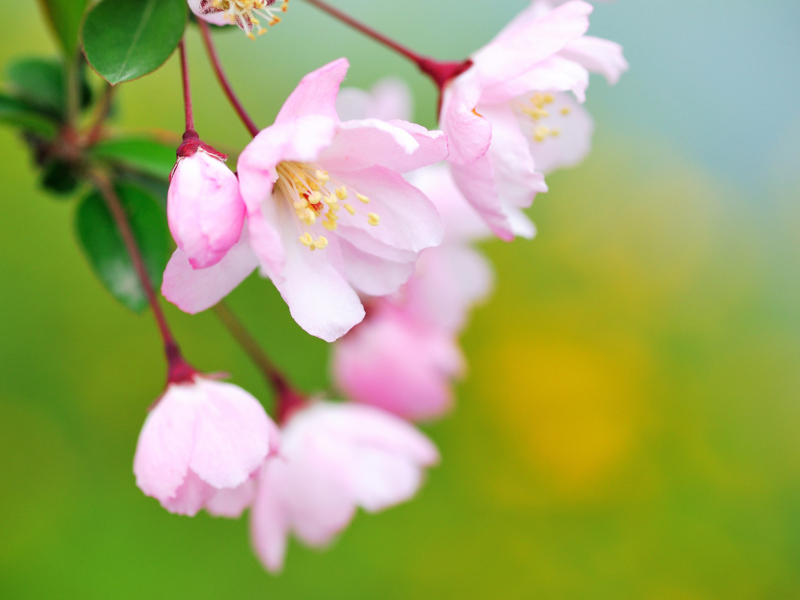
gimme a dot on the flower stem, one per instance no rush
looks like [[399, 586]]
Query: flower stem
[[178, 370], [95, 132], [284, 391], [187, 90], [223, 79], [440, 72]]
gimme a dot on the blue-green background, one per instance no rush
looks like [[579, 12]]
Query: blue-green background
[[630, 428]]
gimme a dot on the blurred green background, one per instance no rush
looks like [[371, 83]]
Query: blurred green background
[[630, 428]]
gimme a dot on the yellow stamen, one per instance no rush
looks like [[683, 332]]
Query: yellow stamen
[[373, 219], [363, 198], [349, 208]]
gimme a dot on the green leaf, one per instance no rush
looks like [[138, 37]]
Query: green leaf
[[17, 113], [39, 82], [65, 17], [138, 154], [127, 39], [106, 252]]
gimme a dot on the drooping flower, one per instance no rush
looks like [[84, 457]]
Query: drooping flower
[[334, 459], [405, 355], [245, 14], [201, 444], [328, 212], [204, 208], [506, 110]]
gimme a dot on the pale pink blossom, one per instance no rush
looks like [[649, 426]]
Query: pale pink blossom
[[248, 15], [509, 110], [405, 355], [329, 214], [204, 208], [388, 99], [201, 444], [334, 459]]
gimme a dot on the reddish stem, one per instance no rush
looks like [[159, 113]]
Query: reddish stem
[[287, 398], [178, 370], [440, 72], [223, 79], [187, 90]]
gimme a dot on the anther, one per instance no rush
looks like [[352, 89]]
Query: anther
[[363, 198], [349, 208], [373, 219]]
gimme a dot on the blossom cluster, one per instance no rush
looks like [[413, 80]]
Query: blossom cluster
[[367, 225]]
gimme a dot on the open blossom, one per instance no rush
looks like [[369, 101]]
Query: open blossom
[[507, 114], [201, 444], [328, 213], [247, 15], [334, 459], [405, 355], [204, 208]]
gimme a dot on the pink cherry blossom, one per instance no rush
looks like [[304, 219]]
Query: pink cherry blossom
[[405, 355], [388, 99], [329, 215], [508, 110], [248, 15], [204, 208], [201, 444], [334, 459]]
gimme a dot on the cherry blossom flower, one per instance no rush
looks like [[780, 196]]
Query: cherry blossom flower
[[405, 354], [506, 110], [201, 444], [328, 213], [245, 14], [334, 459], [204, 208]]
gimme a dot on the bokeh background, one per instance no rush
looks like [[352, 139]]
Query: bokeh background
[[630, 428]]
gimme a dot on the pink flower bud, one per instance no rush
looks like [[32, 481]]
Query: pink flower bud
[[201, 444], [205, 210]]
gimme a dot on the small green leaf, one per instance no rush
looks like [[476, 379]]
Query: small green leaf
[[106, 252], [138, 154], [59, 177], [65, 17], [127, 39], [39, 82], [17, 113]]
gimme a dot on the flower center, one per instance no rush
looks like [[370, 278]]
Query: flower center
[[538, 108], [315, 197], [245, 13]]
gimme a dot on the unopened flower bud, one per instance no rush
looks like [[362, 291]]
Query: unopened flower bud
[[204, 208]]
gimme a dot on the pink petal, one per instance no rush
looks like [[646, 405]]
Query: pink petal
[[231, 503], [408, 220], [195, 290], [525, 43], [365, 143], [468, 132], [372, 275], [205, 210], [191, 497], [450, 280], [394, 364], [314, 287], [165, 443], [554, 74], [433, 148], [233, 435], [269, 518], [316, 93], [597, 55], [389, 99]]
